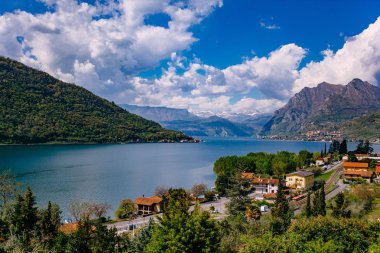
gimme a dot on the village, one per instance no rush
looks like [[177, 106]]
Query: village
[[338, 174]]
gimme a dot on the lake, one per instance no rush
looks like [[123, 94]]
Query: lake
[[109, 173]]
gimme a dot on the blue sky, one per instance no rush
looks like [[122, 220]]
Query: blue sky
[[216, 58]]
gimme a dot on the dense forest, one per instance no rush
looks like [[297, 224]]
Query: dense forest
[[37, 108]]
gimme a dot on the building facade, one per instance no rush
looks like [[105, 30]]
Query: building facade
[[300, 180]]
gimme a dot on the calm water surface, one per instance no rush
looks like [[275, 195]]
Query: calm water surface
[[109, 173]]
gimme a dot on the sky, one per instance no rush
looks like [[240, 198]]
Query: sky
[[212, 57]]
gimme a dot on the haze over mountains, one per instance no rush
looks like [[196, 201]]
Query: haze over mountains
[[191, 124]]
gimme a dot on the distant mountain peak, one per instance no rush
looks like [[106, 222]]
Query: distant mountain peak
[[324, 107]]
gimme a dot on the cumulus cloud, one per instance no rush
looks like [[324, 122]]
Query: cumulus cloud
[[358, 58], [100, 46], [104, 47]]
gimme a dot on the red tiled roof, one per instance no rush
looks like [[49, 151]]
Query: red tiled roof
[[148, 201], [320, 159], [247, 175], [355, 165], [270, 196], [259, 180], [366, 174], [377, 168], [361, 155]]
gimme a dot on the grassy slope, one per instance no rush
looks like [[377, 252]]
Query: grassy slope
[[37, 108]]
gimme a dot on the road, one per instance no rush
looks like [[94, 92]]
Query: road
[[220, 205]]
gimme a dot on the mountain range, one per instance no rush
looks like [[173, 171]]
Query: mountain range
[[326, 107], [37, 108], [182, 120]]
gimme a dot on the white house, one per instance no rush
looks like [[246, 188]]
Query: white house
[[265, 185]]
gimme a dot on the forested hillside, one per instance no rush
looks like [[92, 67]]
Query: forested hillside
[[37, 108]]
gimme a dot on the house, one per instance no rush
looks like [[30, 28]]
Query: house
[[320, 162], [377, 168], [352, 170], [265, 185], [301, 180], [362, 156], [148, 205]]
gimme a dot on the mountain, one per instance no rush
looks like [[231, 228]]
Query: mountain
[[191, 124], [160, 114], [364, 128], [211, 126], [324, 107], [37, 108]]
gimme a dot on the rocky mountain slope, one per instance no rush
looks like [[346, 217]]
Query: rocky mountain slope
[[324, 107], [37, 108], [364, 128]]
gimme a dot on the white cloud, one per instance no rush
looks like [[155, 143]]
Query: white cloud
[[103, 47], [111, 38], [358, 58], [269, 26]]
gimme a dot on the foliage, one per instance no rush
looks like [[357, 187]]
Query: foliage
[[37, 108], [339, 207], [260, 163], [281, 213], [320, 234], [238, 196], [9, 189], [181, 231], [363, 128], [139, 243], [127, 209], [198, 190], [364, 147]]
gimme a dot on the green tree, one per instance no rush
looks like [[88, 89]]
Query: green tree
[[142, 239], [238, 196], [364, 147], [181, 231], [9, 189], [339, 206], [49, 222], [281, 213], [343, 147], [308, 209], [127, 209], [252, 212]]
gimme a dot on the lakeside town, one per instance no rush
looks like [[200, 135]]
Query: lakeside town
[[275, 193]]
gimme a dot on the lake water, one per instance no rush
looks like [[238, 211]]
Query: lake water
[[109, 173]]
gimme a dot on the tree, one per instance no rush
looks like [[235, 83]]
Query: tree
[[161, 190], [180, 231], [127, 209], [281, 213], [308, 210], [100, 209], [142, 239], [364, 147], [252, 212], [81, 210], [238, 196], [352, 157], [304, 158], [334, 147], [339, 206], [9, 189], [49, 221], [322, 200], [198, 190], [343, 147]]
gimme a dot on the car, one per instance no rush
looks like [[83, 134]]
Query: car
[[131, 227]]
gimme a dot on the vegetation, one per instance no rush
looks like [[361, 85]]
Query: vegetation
[[37, 108], [363, 128], [262, 163], [182, 231], [127, 209]]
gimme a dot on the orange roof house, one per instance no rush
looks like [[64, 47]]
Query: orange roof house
[[356, 170], [378, 168], [148, 205]]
